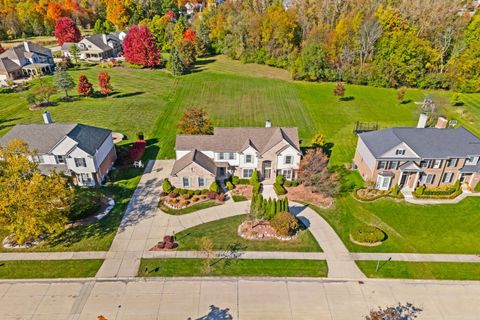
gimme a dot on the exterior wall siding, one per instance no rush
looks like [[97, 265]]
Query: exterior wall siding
[[192, 172]]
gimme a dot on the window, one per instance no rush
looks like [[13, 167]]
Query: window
[[452, 162], [248, 158], [288, 159], [383, 183], [447, 177], [60, 159], [386, 182], [186, 182], [382, 165], [201, 182], [429, 178], [287, 174], [221, 156], [393, 165], [437, 164], [471, 161], [80, 162], [247, 173], [39, 159], [400, 152], [85, 177], [423, 163], [231, 156]]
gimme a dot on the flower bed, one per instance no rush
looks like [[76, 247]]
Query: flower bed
[[244, 190], [370, 194], [261, 230], [442, 192], [367, 236], [302, 193]]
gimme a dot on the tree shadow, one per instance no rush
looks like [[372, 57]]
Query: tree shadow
[[130, 94], [200, 65], [4, 123], [216, 313], [406, 101], [347, 98]]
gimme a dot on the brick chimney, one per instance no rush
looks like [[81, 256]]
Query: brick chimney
[[268, 124], [47, 118], [422, 120], [442, 123]]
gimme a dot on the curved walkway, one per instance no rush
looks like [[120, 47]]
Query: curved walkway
[[411, 199]]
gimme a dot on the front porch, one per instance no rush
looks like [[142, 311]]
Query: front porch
[[37, 69]]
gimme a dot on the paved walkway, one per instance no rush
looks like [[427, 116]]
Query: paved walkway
[[82, 255], [269, 192], [411, 199], [237, 255], [417, 257], [232, 298]]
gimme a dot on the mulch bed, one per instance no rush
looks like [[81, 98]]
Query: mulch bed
[[245, 190], [305, 194]]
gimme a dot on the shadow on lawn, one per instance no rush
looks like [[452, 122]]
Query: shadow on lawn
[[4, 123], [129, 94], [200, 65]]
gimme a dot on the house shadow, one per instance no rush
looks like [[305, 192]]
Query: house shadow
[[216, 313]]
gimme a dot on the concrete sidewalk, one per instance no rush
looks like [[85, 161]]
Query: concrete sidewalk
[[81, 255], [236, 255], [417, 257], [411, 199]]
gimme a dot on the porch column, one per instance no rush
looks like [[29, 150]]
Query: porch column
[[417, 175]]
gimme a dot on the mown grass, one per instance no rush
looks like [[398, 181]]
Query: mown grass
[[36, 269], [233, 268], [235, 94], [421, 270], [224, 235], [446, 228]]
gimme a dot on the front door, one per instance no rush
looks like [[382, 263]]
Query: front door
[[403, 179], [267, 170]]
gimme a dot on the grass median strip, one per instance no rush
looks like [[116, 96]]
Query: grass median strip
[[421, 270], [233, 267], [37, 269]]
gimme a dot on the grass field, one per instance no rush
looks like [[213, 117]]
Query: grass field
[[233, 268], [421, 270], [223, 234], [36, 269], [410, 228], [234, 94]]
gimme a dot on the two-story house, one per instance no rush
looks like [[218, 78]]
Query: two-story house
[[25, 60], [97, 47], [83, 152], [418, 156], [202, 159]]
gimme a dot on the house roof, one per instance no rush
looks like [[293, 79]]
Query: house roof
[[197, 157], [33, 47], [7, 66], [67, 45], [20, 51], [14, 53], [44, 137], [428, 143], [238, 139], [97, 40]]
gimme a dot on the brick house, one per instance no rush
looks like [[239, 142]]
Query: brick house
[[411, 157], [202, 159]]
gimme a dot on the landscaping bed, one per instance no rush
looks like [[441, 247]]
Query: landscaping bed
[[180, 267], [372, 194], [421, 270], [242, 191], [192, 208], [305, 194], [366, 235], [37, 269], [224, 235]]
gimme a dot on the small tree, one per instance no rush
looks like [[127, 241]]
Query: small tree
[[339, 90], [139, 47], [187, 53], [63, 81], [314, 173], [318, 141], [84, 88], [195, 120], [66, 31], [401, 94], [44, 91], [254, 179], [175, 63], [285, 224], [74, 53], [32, 204], [104, 83], [214, 187]]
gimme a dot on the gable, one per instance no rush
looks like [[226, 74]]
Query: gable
[[193, 168], [391, 153], [64, 147]]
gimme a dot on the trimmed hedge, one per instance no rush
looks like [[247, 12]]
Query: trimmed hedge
[[236, 180], [285, 224], [279, 189], [367, 234], [443, 192], [477, 187], [291, 183], [214, 187], [230, 185]]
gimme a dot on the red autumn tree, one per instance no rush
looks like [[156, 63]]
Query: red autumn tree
[[66, 31], [189, 35], [139, 47], [104, 83], [2, 49], [84, 88]]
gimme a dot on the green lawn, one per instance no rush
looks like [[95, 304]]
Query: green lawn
[[421, 270], [234, 94], [410, 228], [233, 268], [192, 208], [36, 269], [223, 234]]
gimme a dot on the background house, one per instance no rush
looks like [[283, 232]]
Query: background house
[[83, 152], [97, 47], [201, 159]]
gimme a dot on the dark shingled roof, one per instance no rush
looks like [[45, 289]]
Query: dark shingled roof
[[43, 137], [237, 139], [8, 66], [197, 157], [428, 143]]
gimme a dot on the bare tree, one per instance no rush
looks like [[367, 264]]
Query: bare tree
[[370, 32]]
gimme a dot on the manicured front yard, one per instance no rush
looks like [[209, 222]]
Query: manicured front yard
[[223, 234], [421, 270], [233, 268], [447, 228], [36, 269]]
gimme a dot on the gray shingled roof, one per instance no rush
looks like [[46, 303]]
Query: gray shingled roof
[[8, 66], [237, 139], [97, 40], [43, 137], [194, 157], [428, 143]]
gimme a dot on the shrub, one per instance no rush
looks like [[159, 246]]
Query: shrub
[[174, 200], [195, 199], [137, 151], [280, 179], [256, 188], [254, 178], [204, 191], [167, 186], [395, 191], [291, 183], [477, 187], [197, 192], [220, 197], [235, 180], [367, 234], [214, 187], [211, 195], [238, 198], [230, 185], [419, 190], [284, 223], [184, 202], [186, 196], [173, 194], [279, 189]]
